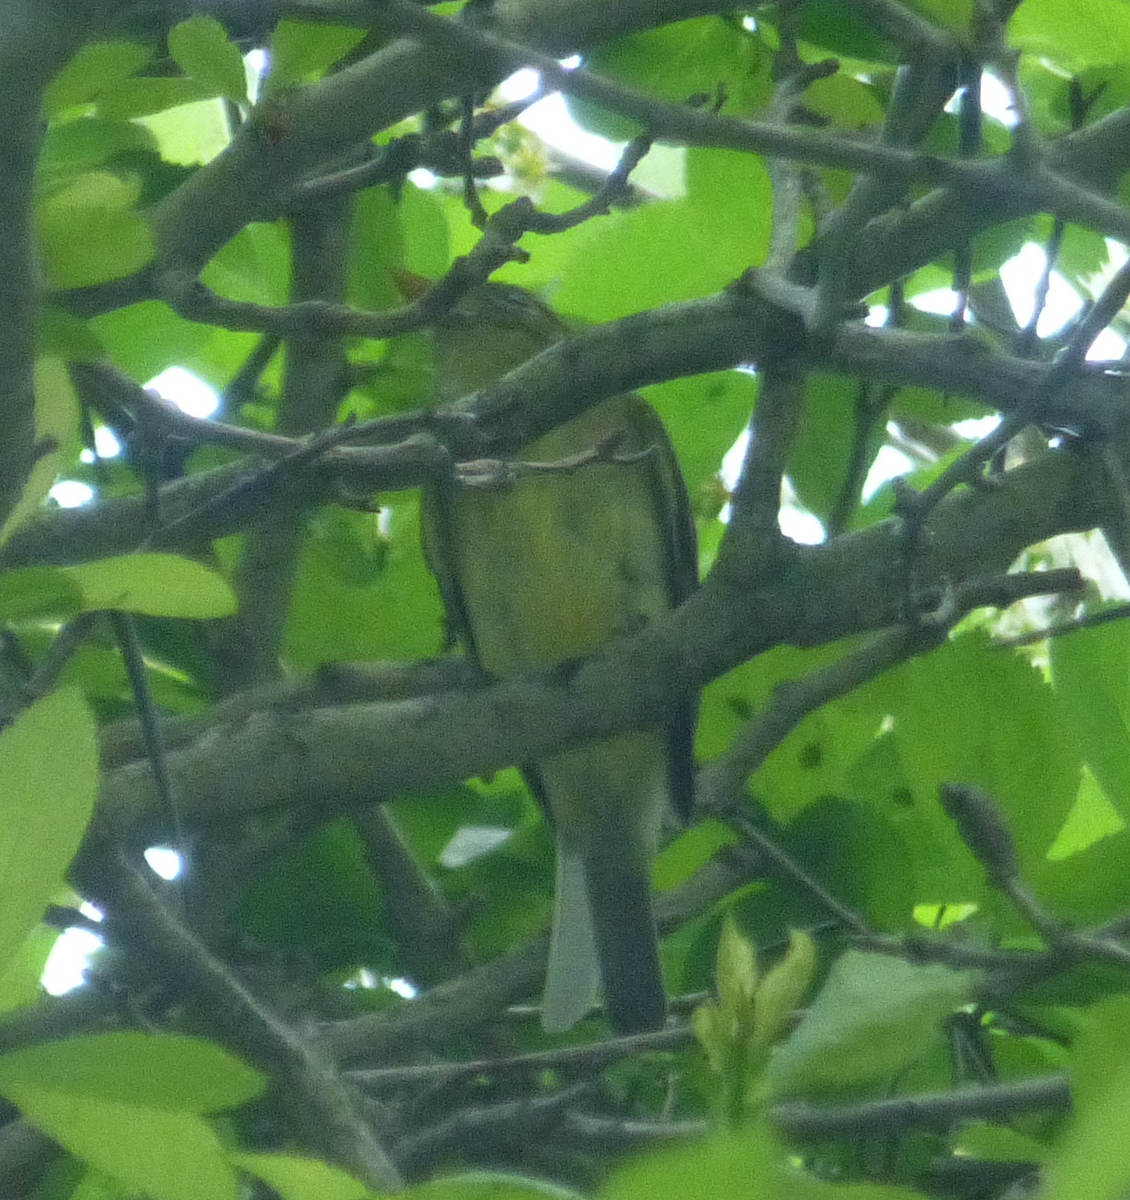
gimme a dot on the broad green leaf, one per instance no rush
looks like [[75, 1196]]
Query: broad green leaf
[[925, 404], [737, 1166], [968, 714], [488, 1185], [90, 232], [72, 147], [704, 415], [874, 1016], [811, 763], [1092, 818], [702, 57], [748, 1165], [96, 1185], [143, 96], [190, 132], [37, 592], [1091, 678], [692, 849], [844, 30], [1090, 885], [300, 50], [163, 1155], [302, 1178], [157, 1072], [665, 252], [56, 426], [145, 338], [320, 898], [619, 268], [254, 265], [49, 769], [998, 1143], [201, 49], [397, 615], [731, 203], [954, 15], [21, 979], [1092, 1161], [93, 69], [848, 103], [837, 411], [156, 585], [426, 235], [1075, 36], [377, 246], [63, 335]]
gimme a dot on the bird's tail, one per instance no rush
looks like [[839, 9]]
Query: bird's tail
[[616, 953]]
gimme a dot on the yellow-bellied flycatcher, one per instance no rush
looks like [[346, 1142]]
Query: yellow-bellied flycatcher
[[544, 570]]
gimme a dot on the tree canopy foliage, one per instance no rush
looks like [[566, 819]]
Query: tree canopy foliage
[[896, 925]]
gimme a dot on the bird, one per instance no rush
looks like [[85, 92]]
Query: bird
[[540, 571]]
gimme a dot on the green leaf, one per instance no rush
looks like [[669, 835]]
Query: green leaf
[[1089, 671], [141, 97], [164, 1155], [63, 335], [94, 1185], [736, 1166], [302, 1178], [489, 1185], [690, 851], [301, 50], [201, 49], [874, 1016], [704, 56], [714, 1030], [167, 1072], [72, 147], [737, 973], [156, 585], [93, 69], [999, 1144], [954, 15], [1082, 34], [731, 201], [844, 30], [783, 988], [144, 338], [21, 978], [90, 232], [664, 252], [320, 898], [811, 763], [49, 768], [396, 614], [56, 430], [836, 413], [846, 102], [1092, 1161], [969, 714], [747, 1165], [38, 592], [190, 131]]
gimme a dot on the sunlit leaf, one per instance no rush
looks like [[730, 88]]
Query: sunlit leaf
[[201, 49], [157, 585], [874, 1015], [49, 769]]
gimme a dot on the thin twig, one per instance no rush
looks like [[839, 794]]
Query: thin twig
[[329, 1108]]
